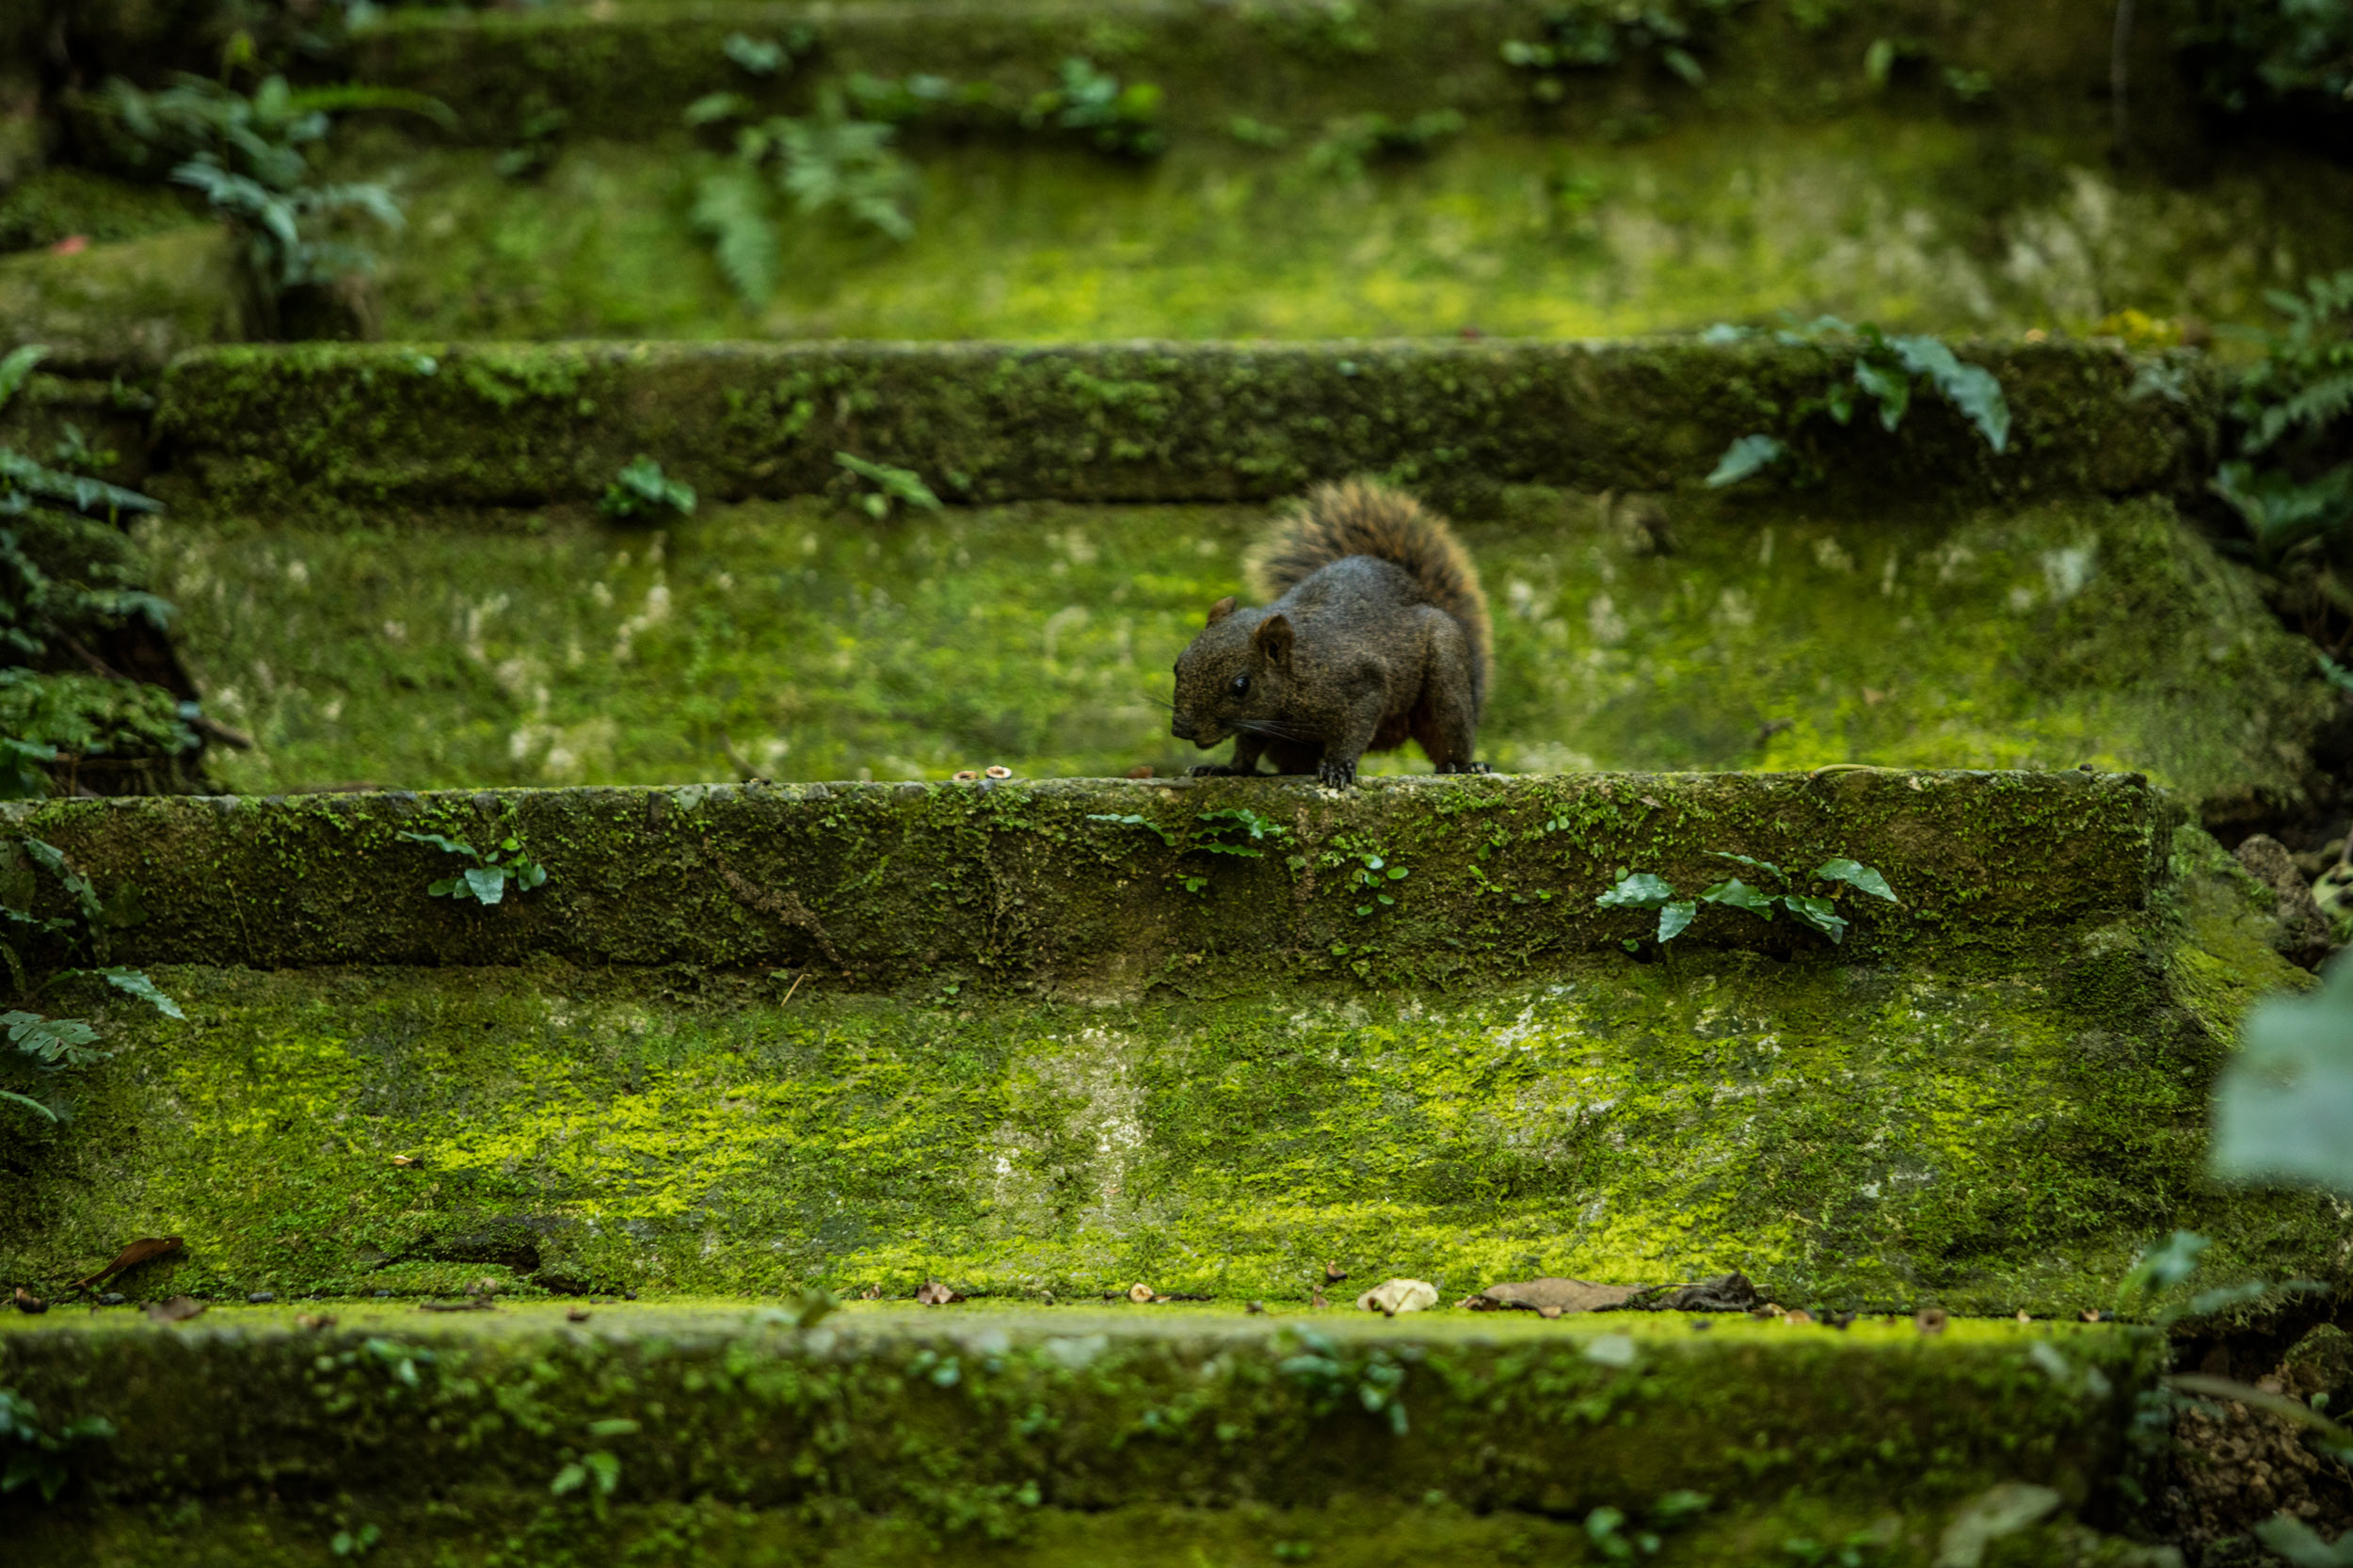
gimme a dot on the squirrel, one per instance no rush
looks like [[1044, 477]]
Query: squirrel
[[1377, 631]]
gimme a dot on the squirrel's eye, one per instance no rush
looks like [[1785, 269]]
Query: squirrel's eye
[[1241, 684]]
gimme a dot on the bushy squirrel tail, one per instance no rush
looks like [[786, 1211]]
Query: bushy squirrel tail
[[1359, 518]]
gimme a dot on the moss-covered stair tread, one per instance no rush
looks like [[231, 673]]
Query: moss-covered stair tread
[[1044, 1435], [868, 1035]]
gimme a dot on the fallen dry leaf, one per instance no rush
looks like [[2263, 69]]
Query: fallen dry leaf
[[1316, 1300], [1139, 1292], [321, 1320], [2089, 1315], [179, 1309], [936, 1294], [1253, 1308], [1770, 1309], [1391, 1297], [27, 1301], [966, 775], [403, 1160], [1144, 772], [871, 1293], [2021, 1315], [1801, 1316], [1550, 1297], [576, 1315], [1930, 1320], [996, 771], [145, 1250], [1333, 1273]]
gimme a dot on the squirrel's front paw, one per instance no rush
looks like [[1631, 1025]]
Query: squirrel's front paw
[[1212, 770], [1469, 767], [1336, 776]]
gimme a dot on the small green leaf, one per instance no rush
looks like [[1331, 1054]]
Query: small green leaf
[[1397, 874], [1739, 895], [1748, 456], [450, 846], [613, 1426], [1765, 866], [1820, 913], [486, 883], [1890, 385], [569, 1479], [1674, 919], [1641, 890], [1860, 877], [135, 983], [16, 367]]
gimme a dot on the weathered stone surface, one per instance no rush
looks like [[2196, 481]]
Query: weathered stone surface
[[1040, 1434], [436, 424], [1085, 1075], [1040, 881], [796, 640], [126, 307]]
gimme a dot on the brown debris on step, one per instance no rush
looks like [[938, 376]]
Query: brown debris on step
[[1551, 1297]]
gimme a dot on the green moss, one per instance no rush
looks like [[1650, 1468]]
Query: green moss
[[799, 641], [299, 427], [967, 1428], [54, 204], [125, 307], [1914, 223]]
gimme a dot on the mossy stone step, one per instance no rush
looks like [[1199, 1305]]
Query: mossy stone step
[[720, 1434], [426, 424], [744, 1039], [632, 68]]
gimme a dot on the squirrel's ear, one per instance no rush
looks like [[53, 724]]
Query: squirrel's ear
[[1274, 638], [1218, 611]]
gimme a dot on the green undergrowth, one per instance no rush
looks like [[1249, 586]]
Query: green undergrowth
[[1912, 224], [724, 1436], [803, 641], [1989, 1135]]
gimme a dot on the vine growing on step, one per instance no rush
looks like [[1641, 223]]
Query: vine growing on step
[[46, 1044], [66, 586], [842, 160], [1887, 374], [1778, 895]]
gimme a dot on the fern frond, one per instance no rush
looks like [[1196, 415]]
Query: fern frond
[[731, 207]]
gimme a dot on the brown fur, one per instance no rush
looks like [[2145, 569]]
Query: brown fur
[[1377, 633], [1359, 518]]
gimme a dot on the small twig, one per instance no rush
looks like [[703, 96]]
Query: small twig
[[795, 985]]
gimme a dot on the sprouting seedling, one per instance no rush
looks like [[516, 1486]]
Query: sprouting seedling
[[641, 490], [892, 487], [486, 880], [1371, 876], [1646, 890]]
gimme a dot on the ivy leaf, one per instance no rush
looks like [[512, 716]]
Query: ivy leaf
[[1765, 866], [452, 846], [134, 983], [529, 875], [52, 859], [1977, 393], [1820, 913], [1673, 918], [1860, 877], [486, 883], [1641, 890], [1739, 895], [446, 887], [1891, 388], [16, 367], [1748, 456]]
